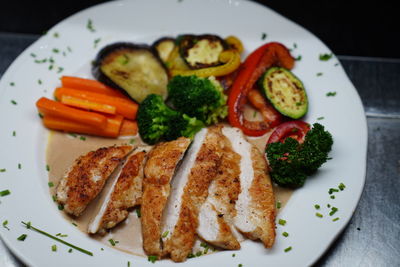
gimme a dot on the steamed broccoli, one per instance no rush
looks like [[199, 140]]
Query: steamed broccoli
[[202, 98], [158, 122], [292, 162]]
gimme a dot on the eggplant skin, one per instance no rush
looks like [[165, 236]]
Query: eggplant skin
[[201, 51], [135, 69], [164, 47]]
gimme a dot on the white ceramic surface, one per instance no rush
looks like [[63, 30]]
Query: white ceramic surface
[[144, 21]]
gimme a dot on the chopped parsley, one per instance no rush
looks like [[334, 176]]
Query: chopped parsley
[[298, 58], [2, 170], [56, 50], [5, 193], [278, 204], [319, 215], [341, 186], [325, 57], [333, 211], [240, 265], [19, 166], [51, 184], [89, 25], [70, 250], [54, 197], [12, 84], [39, 81], [14, 102], [152, 258], [5, 223], [22, 237], [14, 133], [317, 207], [288, 249], [285, 234], [233, 255], [54, 248], [331, 94], [319, 74], [332, 190], [263, 36], [282, 222], [96, 42]]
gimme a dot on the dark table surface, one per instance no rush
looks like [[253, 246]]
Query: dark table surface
[[372, 238]]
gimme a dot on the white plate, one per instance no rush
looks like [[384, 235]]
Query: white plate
[[145, 21]]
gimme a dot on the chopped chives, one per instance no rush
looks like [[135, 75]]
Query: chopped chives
[[190, 255], [152, 258], [336, 219], [82, 138], [329, 205], [341, 186], [319, 215], [319, 74], [29, 226], [320, 118], [288, 249], [102, 249], [74, 224], [40, 61], [56, 35], [333, 197], [4, 193], [39, 81], [89, 26], [22, 237], [96, 42], [12, 83], [206, 250], [55, 50], [316, 206], [2, 170], [233, 255], [47, 167], [70, 250], [5, 223], [240, 265], [54, 248], [285, 234], [331, 94], [298, 58], [14, 102], [51, 184], [61, 235], [14, 133], [129, 264], [51, 60], [199, 253], [331, 190], [60, 69], [282, 222], [333, 211], [254, 114], [278, 204], [113, 242], [60, 207], [51, 67], [165, 234], [138, 213], [33, 55], [54, 198], [325, 57], [263, 36]]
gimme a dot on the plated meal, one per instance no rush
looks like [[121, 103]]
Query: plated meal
[[193, 147]]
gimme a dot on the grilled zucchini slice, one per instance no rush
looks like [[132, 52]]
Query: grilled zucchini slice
[[285, 91], [201, 51], [135, 69]]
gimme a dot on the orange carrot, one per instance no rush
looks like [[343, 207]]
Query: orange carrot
[[128, 128], [126, 108], [111, 130], [86, 104], [56, 109], [90, 85]]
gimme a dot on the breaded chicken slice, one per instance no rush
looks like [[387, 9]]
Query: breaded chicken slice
[[217, 212], [125, 193], [189, 191], [255, 207], [159, 170], [87, 176]]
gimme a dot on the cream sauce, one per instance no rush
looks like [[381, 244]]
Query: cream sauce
[[63, 149]]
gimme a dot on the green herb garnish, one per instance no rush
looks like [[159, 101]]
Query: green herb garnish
[[325, 57], [288, 249], [331, 94], [278, 204], [14, 102], [33, 55], [320, 118], [331, 190], [138, 213], [165, 234], [282, 222], [152, 258], [319, 215], [29, 226], [51, 184], [285, 234], [333, 211], [70, 250], [12, 84], [61, 235], [89, 26], [60, 207], [54, 248], [316, 206], [14, 133], [47, 167], [60, 69], [336, 219], [5, 223], [22, 237], [263, 36], [341, 186], [96, 42], [55, 50], [298, 58], [319, 74], [82, 138], [333, 197], [39, 81], [19, 166], [5, 193], [113, 242], [2, 170], [56, 35]]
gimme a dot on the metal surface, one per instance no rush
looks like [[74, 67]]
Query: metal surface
[[372, 238]]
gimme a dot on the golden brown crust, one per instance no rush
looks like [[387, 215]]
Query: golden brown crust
[[181, 240], [127, 192], [262, 201], [87, 177], [159, 170]]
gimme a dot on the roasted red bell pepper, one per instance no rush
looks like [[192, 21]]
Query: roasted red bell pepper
[[294, 129], [270, 54]]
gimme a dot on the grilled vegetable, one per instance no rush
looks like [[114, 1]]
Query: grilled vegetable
[[285, 91], [135, 69], [164, 47], [201, 51]]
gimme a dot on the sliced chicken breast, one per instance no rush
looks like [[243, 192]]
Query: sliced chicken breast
[[87, 176], [125, 193], [159, 170], [217, 212], [255, 209], [189, 191]]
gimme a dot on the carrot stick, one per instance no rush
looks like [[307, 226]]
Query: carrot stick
[[111, 130], [126, 108], [128, 128], [54, 108], [90, 85], [86, 104]]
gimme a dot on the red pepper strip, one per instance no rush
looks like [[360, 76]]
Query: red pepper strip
[[255, 65], [294, 129]]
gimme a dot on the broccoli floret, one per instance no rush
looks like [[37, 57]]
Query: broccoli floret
[[158, 122], [292, 162], [202, 98]]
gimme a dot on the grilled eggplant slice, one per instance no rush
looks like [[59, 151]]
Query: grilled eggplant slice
[[201, 51], [164, 47], [136, 69]]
